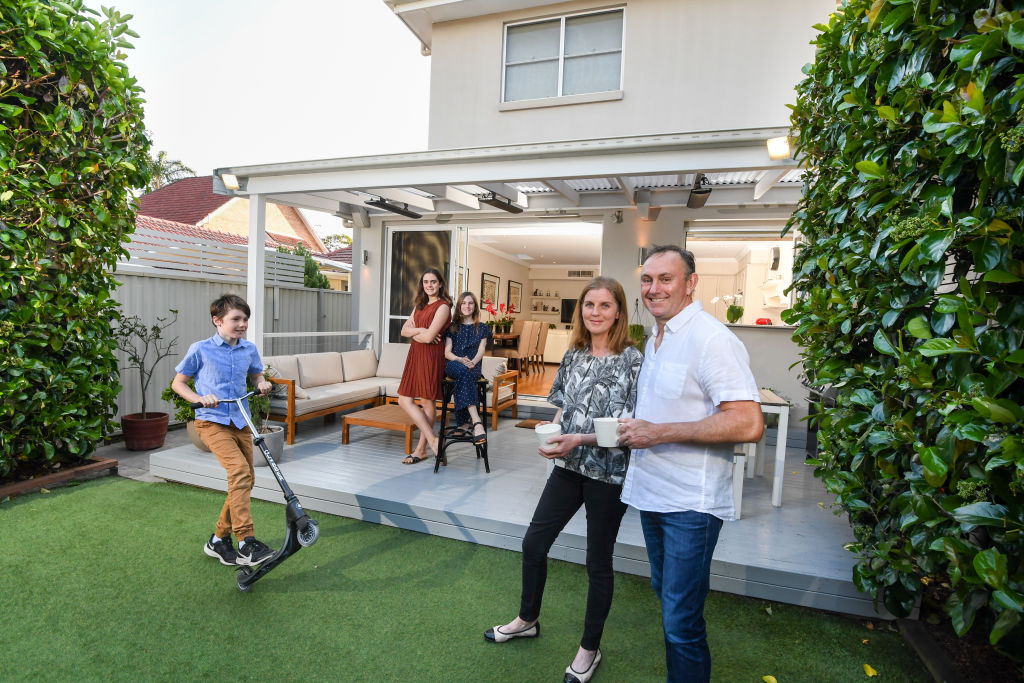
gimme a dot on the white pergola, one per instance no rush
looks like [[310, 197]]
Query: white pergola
[[589, 178]]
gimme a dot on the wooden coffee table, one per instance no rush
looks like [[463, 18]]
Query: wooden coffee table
[[389, 417]]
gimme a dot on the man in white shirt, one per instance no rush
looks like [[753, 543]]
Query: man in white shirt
[[696, 398]]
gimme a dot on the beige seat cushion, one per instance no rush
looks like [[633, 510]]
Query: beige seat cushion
[[392, 359], [328, 396], [358, 364], [319, 369]]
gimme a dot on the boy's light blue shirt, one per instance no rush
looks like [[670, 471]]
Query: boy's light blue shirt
[[221, 369]]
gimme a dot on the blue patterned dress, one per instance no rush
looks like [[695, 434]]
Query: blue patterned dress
[[465, 343]]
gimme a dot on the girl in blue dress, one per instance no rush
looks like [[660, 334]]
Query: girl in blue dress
[[464, 346]]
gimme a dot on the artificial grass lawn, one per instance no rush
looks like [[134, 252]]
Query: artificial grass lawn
[[107, 580]]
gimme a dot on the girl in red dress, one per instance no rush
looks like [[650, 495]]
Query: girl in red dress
[[424, 369]]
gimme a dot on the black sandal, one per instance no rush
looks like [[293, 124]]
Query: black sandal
[[480, 439]]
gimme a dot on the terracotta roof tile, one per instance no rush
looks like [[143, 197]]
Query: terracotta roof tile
[[188, 200], [344, 255], [186, 230]]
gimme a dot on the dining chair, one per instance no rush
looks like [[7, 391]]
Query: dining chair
[[521, 352], [542, 341], [517, 325]]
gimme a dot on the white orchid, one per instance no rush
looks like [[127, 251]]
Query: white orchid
[[730, 299]]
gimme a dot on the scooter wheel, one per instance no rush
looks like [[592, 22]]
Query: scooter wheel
[[311, 533], [244, 573]]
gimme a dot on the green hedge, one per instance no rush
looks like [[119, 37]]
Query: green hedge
[[72, 145], [911, 300]]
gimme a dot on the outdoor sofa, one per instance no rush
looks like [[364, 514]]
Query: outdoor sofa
[[317, 384]]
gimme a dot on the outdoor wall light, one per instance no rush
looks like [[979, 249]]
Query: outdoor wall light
[[778, 148], [699, 194], [230, 180], [402, 210], [499, 202], [366, 257]]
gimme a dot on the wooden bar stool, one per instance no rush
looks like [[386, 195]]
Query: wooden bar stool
[[456, 434]]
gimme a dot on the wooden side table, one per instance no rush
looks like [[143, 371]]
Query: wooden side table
[[390, 417]]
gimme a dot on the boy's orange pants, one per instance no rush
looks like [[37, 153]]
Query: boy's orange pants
[[233, 448]]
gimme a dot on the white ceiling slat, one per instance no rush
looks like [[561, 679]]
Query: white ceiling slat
[[404, 196], [454, 194], [626, 187], [767, 181], [562, 188]]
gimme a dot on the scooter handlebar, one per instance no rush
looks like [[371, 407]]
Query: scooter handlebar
[[197, 404]]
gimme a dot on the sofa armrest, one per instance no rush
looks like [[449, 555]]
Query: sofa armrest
[[290, 384]]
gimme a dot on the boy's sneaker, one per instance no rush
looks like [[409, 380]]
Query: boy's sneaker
[[252, 552], [222, 550]]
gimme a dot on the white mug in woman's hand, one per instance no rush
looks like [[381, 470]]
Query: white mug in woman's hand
[[545, 432]]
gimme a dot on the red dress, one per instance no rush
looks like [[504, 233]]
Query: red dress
[[424, 369]]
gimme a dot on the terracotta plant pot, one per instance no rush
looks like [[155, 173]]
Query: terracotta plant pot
[[193, 435], [144, 431]]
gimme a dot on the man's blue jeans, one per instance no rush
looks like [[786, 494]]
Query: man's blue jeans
[[679, 546]]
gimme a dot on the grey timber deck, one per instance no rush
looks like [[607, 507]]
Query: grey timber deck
[[792, 554]]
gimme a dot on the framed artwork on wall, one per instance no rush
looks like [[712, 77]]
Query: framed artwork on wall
[[489, 288], [515, 295]]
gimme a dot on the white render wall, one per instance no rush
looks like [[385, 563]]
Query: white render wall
[[688, 66]]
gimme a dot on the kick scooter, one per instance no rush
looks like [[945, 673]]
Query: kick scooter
[[302, 531]]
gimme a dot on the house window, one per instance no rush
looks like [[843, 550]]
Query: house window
[[570, 55]]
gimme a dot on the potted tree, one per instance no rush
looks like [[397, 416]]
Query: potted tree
[[145, 346]]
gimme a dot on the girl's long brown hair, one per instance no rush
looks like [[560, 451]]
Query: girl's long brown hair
[[422, 299], [457, 313]]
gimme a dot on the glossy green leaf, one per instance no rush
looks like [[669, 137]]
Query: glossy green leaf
[[918, 327], [883, 345], [940, 347]]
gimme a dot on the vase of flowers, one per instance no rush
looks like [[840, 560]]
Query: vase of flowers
[[734, 312]]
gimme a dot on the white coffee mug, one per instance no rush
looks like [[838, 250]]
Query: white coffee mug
[[545, 432], [607, 430]]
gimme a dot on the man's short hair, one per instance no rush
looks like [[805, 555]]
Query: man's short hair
[[227, 302], [684, 254]]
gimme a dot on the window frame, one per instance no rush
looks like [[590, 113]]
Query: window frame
[[560, 97]]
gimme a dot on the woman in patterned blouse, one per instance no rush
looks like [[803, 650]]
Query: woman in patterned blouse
[[597, 378]]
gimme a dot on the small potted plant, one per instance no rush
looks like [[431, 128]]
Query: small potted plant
[[273, 435], [184, 412], [734, 312], [145, 346]]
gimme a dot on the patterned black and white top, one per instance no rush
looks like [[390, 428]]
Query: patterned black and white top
[[587, 387]]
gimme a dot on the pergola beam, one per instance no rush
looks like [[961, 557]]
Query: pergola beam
[[562, 188]]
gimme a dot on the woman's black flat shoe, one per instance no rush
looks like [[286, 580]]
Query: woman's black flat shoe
[[574, 676], [480, 439], [496, 635]]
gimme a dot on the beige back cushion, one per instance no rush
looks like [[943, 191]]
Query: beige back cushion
[[285, 367], [359, 364], [318, 369], [392, 359]]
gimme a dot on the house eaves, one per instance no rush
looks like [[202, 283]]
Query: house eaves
[[420, 15], [540, 178]]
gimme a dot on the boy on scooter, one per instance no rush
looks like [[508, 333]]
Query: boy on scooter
[[219, 366]]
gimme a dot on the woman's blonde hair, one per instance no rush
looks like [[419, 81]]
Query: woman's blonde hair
[[618, 336]]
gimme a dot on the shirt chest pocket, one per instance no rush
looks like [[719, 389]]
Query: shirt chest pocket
[[670, 380]]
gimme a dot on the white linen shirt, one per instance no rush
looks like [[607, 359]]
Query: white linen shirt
[[699, 364]]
